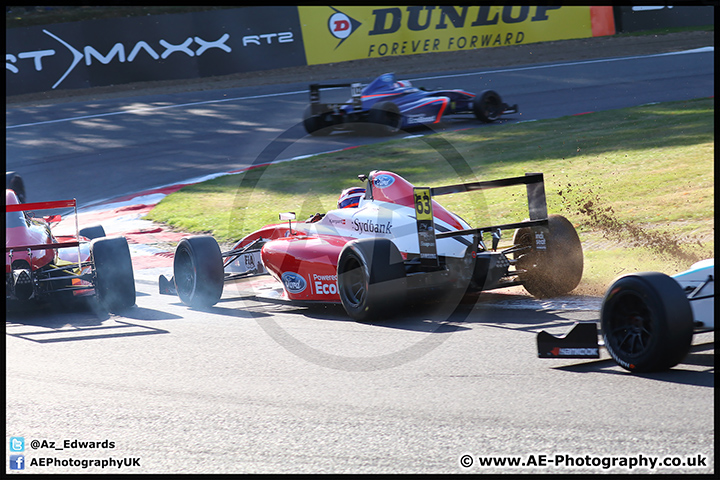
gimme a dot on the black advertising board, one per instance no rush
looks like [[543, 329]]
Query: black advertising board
[[642, 17], [158, 47]]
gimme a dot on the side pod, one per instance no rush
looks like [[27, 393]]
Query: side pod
[[580, 342]]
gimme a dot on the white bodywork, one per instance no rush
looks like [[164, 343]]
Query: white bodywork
[[373, 218], [699, 285]]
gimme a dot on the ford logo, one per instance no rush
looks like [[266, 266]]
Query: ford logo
[[293, 282], [383, 181]]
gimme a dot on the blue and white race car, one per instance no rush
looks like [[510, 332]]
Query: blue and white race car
[[387, 106], [647, 319]]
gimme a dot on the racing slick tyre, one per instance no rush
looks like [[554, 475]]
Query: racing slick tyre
[[647, 322], [371, 279], [96, 231], [554, 268], [198, 271], [487, 106], [385, 118], [113, 271], [14, 182], [315, 124]]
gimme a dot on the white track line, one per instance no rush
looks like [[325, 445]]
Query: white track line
[[304, 92]]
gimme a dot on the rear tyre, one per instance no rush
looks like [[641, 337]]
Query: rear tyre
[[647, 322], [14, 182], [555, 270], [114, 279], [315, 124], [371, 279], [198, 271], [385, 118], [487, 106]]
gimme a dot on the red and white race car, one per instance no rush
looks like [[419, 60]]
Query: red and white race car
[[40, 265], [388, 243]]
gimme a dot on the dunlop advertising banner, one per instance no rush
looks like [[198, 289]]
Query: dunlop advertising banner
[[335, 34]]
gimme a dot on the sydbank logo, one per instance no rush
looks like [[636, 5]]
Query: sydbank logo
[[341, 26]]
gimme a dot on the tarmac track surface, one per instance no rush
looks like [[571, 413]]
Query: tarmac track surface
[[253, 385]]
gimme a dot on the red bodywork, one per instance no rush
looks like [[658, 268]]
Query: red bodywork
[[27, 240], [305, 261], [20, 232]]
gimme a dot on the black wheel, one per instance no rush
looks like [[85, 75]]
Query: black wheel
[[487, 106], [315, 124], [96, 231], [198, 271], [555, 269], [371, 279], [385, 118], [14, 182], [114, 279], [647, 322]]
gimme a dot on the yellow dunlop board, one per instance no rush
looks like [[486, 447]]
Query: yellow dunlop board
[[336, 34]]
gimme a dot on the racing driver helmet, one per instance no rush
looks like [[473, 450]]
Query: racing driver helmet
[[350, 197]]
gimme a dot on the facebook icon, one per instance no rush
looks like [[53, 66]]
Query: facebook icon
[[17, 462]]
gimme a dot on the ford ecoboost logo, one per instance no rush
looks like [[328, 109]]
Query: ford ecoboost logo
[[293, 282]]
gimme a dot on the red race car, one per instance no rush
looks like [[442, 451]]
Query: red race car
[[40, 265], [387, 243]]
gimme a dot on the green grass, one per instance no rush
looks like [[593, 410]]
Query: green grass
[[637, 183]]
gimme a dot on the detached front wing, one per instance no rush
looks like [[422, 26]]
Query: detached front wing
[[580, 342]]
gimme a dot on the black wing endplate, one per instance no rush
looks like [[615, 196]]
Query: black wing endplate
[[580, 342]]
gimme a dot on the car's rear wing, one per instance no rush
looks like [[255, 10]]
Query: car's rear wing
[[23, 207], [537, 203], [537, 206], [317, 107]]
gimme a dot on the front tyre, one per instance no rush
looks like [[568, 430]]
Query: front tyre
[[385, 118], [93, 232], [113, 271], [551, 264], [371, 279], [487, 106], [198, 271], [647, 322]]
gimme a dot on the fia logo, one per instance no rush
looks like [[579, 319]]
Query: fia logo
[[341, 26]]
